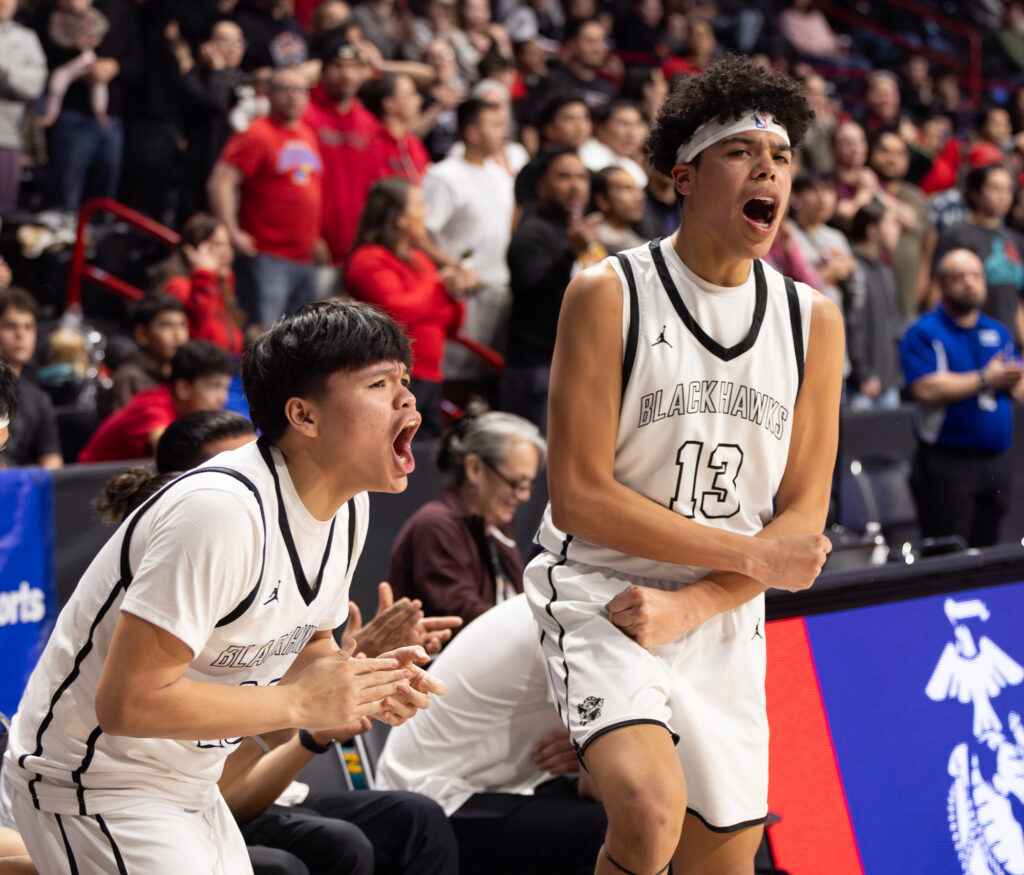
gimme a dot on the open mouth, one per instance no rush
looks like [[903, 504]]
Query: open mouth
[[403, 445], [760, 211]]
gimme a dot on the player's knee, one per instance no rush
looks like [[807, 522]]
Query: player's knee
[[649, 808]]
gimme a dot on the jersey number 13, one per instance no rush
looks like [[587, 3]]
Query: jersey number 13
[[707, 482]]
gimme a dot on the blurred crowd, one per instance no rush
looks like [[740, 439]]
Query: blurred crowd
[[456, 162]]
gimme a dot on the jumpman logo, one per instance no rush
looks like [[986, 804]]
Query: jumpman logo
[[661, 338], [757, 630], [273, 596]]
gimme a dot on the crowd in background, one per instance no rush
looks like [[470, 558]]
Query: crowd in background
[[456, 162]]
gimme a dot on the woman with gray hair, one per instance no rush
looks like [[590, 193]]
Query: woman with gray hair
[[456, 553]]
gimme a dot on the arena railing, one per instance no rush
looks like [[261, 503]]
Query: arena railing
[[969, 71], [80, 270]]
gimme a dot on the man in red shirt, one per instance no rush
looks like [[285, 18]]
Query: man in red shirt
[[266, 188], [345, 130], [200, 376], [395, 101]]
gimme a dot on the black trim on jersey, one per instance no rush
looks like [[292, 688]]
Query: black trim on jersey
[[633, 326], [122, 584], [76, 775], [351, 534], [561, 629], [798, 330], [736, 827], [80, 657], [604, 730], [308, 593], [726, 354], [121, 869], [67, 845]]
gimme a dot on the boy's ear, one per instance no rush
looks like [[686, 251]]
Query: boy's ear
[[682, 176], [302, 416], [140, 333]]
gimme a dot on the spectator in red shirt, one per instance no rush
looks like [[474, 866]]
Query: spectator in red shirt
[[345, 130], [266, 189], [200, 376], [386, 268], [208, 293], [396, 103]]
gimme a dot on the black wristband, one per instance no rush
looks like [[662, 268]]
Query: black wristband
[[982, 381], [309, 743]]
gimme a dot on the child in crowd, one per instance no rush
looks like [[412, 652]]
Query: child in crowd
[[159, 325], [200, 376], [208, 290]]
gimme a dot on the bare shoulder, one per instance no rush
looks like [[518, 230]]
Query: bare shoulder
[[596, 285], [825, 313]]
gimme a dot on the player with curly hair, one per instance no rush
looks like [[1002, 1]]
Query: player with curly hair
[[689, 472]]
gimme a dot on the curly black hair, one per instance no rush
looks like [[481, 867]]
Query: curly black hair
[[725, 90]]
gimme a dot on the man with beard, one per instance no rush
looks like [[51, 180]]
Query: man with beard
[[962, 367]]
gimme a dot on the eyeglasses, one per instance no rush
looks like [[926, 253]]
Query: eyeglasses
[[524, 485]]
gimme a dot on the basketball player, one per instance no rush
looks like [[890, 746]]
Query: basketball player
[[208, 615], [707, 442]]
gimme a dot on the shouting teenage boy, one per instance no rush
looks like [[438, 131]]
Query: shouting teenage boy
[[207, 617], [692, 444]]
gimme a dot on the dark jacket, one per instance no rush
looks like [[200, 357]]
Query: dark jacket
[[442, 556], [540, 264]]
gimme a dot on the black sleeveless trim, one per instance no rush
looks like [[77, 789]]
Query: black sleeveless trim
[[633, 325], [710, 344], [798, 330]]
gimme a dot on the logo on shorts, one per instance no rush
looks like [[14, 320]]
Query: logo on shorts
[[590, 709]]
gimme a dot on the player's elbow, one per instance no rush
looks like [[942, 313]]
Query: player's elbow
[[574, 505], [110, 711], [117, 712]]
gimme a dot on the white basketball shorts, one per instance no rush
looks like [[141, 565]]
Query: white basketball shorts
[[155, 837], [706, 688]]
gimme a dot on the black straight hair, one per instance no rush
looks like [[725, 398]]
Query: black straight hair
[[297, 354]]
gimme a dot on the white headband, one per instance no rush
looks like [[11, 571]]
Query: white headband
[[715, 130], [4, 422]]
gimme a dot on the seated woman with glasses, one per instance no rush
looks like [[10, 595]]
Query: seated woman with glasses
[[456, 553]]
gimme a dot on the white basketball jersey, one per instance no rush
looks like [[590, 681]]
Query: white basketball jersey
[[220, 569], [707, 409]]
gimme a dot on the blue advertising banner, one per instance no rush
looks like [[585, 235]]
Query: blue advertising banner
[[925, 705], [28, 598]]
